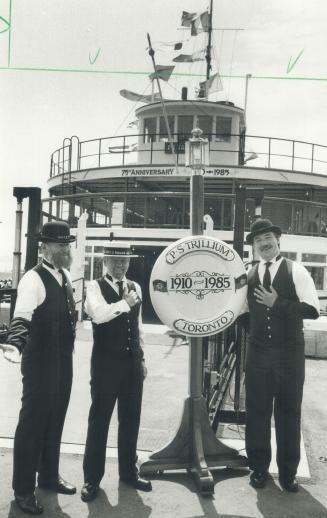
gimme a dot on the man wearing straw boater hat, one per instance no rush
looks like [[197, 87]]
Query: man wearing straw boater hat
[[281, 294], [43, 331], [117, 370]]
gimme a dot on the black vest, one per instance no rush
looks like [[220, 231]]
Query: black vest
[[120, 336], [267, 326], [53, 322]]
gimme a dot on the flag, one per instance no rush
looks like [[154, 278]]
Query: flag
[[163, 72], [187, 18], [168, 46], [190, 58], [200, 24], [132, 96], [133, 123], [195, 26], [205, 21], [212, 85]]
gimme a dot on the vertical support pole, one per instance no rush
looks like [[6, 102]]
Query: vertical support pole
[[197, 212], [239, 221], [17, 250], [33, 227]]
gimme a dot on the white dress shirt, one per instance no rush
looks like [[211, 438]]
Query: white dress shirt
[[303, 282], [100, 311], [31, 291]]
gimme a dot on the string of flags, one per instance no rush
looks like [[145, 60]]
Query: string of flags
[[198, 23]]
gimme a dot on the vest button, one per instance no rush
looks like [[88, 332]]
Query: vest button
[[269, 336], [268, 318]]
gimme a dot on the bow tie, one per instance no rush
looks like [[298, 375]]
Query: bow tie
[[112, 280]]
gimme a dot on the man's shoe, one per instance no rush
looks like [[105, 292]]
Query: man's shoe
[[289, 484], [89, 492], [28, 504], [258, 479], [138, 483], [58, 486]]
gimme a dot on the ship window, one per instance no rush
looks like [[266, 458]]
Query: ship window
[[223, 129], [87, 271], [97, 267], [150, 127], [289, 255], [185, 126], [205, 123], [314, 258], [163, 128], [317, 273]]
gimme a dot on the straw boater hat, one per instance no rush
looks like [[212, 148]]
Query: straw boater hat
[[260, 226], [55, 232], [115, 249]]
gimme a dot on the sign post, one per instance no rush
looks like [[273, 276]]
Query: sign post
[[197, 287]]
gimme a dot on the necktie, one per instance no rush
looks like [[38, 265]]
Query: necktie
[[266, 278], [121, 289]]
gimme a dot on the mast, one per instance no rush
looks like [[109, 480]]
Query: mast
[[164, 111], [208, 53]]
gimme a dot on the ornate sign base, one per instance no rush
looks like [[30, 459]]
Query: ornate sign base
[[194, 448]]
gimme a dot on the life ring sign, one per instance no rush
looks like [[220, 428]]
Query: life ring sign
[[198, 286]]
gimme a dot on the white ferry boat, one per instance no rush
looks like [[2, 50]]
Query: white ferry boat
[[136, 187]]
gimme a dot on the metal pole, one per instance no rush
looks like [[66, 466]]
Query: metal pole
[[197, 212], [33, 227], [17, 250], [248, 76]]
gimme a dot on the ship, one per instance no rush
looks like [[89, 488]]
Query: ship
[[135, 187]]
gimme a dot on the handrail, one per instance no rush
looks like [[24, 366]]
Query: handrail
[[60, 165]]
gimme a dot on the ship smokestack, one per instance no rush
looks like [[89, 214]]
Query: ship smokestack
[[184, 93]]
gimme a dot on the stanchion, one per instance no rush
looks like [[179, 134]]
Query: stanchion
[[195, 446]]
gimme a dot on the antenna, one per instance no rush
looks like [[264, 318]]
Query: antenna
[[208, 54]]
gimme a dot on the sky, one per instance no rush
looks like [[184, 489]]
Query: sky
[[62, 65]]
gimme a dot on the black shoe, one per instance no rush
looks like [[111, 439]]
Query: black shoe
[[58, 486], [289, 484], [28, 504], [258, 479], [138, 483], [89, 492]]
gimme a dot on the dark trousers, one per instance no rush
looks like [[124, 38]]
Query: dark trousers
[[124, 384], [46, 393], [274, 384]]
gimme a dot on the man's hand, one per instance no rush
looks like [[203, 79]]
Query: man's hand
[[11, 353], [266, 297], [130, 297]]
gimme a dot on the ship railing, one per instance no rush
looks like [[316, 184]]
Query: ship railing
[[264, 152], [223, 374]]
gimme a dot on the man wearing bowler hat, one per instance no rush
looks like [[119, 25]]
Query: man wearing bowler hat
[[43, 331], [281, 294], [117, 370]]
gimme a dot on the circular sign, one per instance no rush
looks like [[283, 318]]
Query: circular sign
[[198, 286]]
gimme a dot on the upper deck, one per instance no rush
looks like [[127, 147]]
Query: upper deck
[[138, 176]]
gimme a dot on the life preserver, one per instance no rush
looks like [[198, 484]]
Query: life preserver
[[198, 286]]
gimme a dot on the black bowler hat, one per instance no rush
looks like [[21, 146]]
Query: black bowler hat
[[260, 226], [55, 232]]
